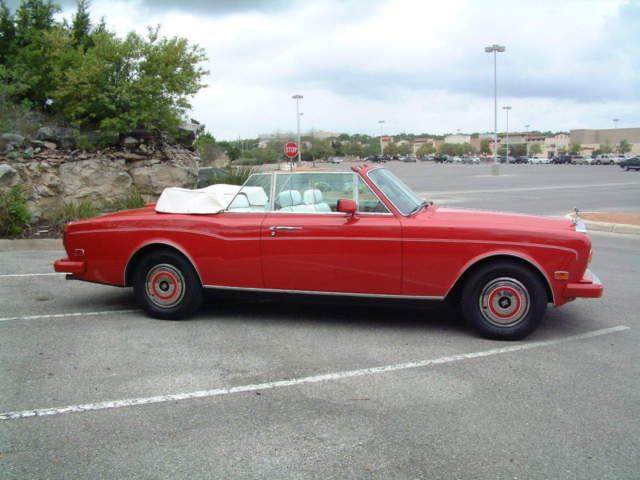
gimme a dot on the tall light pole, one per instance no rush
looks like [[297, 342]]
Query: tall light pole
[[381, 122], [495, 48], [615, 122], [526, 138], [297, 98], [506, 108]]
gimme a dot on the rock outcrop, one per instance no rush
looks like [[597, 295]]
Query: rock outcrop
[[51, 173]]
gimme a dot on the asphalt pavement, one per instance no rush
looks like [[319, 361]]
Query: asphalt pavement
[[253, 389]]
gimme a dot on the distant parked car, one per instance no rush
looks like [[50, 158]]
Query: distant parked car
[[442, 159], [630, 163], [560, 159], [522, 159], [335, 160], [537, 160], [604, 159], [579, 160]]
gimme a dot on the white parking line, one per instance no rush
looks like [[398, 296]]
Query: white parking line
[[130, 402], [75, 314], [30, 274], [524, 189]]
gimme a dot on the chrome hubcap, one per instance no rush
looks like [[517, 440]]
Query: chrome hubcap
[[164, 285], [504, 302]]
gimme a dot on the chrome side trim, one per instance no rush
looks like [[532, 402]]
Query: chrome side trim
[[315, 292]]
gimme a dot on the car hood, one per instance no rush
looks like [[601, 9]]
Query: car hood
[[486, 219]]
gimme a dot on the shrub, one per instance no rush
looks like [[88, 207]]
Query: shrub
[[70, 211], [232, 176], [14, 214], [128, 202]]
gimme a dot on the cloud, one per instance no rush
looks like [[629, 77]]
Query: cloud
[[419, 65]]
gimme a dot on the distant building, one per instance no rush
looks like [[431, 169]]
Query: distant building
[[457, 138], [591, 140]]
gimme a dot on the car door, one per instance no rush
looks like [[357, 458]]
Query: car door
[[308, 246]]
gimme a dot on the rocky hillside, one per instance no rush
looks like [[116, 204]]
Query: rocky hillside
[[57, 165]]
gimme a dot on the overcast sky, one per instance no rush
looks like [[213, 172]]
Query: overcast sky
[[419, 65]]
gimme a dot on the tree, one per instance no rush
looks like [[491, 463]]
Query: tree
[[7, 33], [606, 147], [535, 149], [202, 140], [81, 25], [231, 150], [319, 148], [426, 149], [451, 149], [371, 149], [485, 146], [391, 149], [354, 148], [123, 84], [624, 146], [404, 149], [575, 149], [29, 62]]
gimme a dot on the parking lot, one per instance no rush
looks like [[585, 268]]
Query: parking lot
[[254, 388]]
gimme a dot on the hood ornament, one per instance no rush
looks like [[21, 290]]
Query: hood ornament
[[576, 217]]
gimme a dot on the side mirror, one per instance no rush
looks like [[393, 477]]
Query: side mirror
[[347, 206]]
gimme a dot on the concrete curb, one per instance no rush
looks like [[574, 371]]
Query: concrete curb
[[31, 244], [608, 227]]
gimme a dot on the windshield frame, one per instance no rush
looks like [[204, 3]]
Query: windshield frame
[[403, 187]]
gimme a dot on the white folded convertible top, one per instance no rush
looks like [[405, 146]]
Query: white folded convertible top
[[211, 199]]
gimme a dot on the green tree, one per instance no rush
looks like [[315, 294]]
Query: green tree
[[535, 149], [606, 147], [232, 151], [426, 149], [81, 25], [123, 84], [355, 149], [575, 149], [404, 149], [371, 149], [451, 149], [7, 33], [485, 146], [624, 146], [391, 149], [202, 140], [29, 62]]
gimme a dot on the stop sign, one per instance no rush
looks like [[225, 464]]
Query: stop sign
[[291, 149]]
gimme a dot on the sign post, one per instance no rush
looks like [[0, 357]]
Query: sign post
[[291, 151]]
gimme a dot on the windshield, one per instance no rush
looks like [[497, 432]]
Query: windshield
[[396, 191]]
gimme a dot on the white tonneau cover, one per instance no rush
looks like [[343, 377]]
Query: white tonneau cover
[[212, 199]]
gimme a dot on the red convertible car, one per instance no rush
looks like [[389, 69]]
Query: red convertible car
[[360, 233]]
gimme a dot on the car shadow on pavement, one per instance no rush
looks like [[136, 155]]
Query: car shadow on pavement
[[321, 310]]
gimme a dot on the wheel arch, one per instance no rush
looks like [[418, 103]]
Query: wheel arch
[[144, 250], [455, 292]]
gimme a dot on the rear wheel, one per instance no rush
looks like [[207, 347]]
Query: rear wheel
[[504, 301], [167, 286]]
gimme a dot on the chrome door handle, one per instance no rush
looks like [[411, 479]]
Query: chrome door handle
[[276, 228]]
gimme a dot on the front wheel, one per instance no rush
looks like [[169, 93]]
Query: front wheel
[[167, 286], [504, 301]]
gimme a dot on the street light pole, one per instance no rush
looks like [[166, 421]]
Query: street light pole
[[495, 48], [615, 122], [506, 108], [381, 122], [526, 139], [297, 98]]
